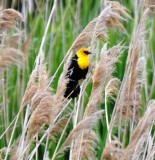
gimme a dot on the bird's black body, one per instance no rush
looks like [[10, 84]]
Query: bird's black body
[[74, 74]]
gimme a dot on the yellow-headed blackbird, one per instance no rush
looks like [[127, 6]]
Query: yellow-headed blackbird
[[77, 70]]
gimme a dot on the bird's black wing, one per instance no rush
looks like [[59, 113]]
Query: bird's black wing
[[72, 69]]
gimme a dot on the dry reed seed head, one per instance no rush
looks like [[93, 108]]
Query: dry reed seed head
[[132, 100], [111, 16], [113, 151], [85, 125], [31, 88], [61, 87], [112, 56], [42, 73], [12, 41], [145, 122], [112, 88], [130, 106], [139, 148], [139, 36], [150, 4], [58, 127], [118, 13], [98, 72], [45, 113], [38, 96], [40, 116], [16, 150], [131, 90], [5, 25], [133, 72], [10, 15], [142, 128], [105, 67], [42, 89], [119, 8], [97, 88], [85, 37], [137, 40], [102, 74], [140, 71], [85, 146], [10, 56], [151, 148], [63, 80], [8, 18]]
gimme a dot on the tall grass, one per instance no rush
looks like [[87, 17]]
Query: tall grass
[[113, 116]]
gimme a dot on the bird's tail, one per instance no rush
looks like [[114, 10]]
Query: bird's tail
[[72, 89]]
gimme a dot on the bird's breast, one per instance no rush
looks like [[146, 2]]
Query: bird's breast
[[83, 62]]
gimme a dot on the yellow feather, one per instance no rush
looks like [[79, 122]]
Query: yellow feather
[[83, 60]]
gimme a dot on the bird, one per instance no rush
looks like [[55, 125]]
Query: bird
[[77, 70]]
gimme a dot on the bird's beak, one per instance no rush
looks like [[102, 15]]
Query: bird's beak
[[88, 52]]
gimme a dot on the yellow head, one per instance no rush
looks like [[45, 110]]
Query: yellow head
[[82, 52], [83, 60]]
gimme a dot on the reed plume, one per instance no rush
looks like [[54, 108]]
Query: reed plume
[[143, 128], [42, 101], [58, 127], [85, 125], [42, 115], [8, 18], [10, 56], [110, 17], [31, 89], [45, 104], [113, 151], [88, 145], [134, 87], [112, 88], [102, 74]]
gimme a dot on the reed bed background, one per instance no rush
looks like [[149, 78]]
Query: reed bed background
[[113, 116]]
